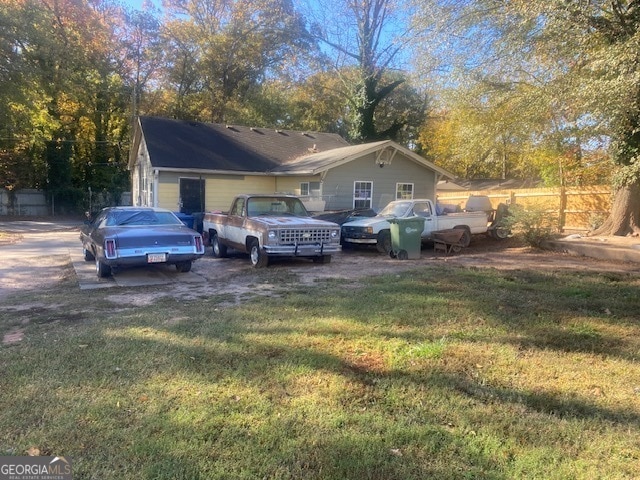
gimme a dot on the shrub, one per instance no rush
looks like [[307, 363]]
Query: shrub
[[533, 225]]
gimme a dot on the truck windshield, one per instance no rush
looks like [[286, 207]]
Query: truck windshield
[[396, 209], [275, 206]]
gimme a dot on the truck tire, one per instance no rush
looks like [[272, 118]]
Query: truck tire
[[500, 233], [218, 250], [259, 258], [465, 240], [384, 242]]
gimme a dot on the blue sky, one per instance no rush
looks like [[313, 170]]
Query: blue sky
[[137, 4]]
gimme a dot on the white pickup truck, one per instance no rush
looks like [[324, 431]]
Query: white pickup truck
[[271, 225], [376, 230]]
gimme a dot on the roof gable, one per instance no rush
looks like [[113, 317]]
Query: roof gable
[[322, 161], [207, 146]]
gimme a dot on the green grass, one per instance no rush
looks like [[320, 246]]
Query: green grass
[[438, 373]]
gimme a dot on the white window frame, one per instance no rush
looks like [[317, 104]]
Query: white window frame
[[304, 187], [399, 192], [368, 199]]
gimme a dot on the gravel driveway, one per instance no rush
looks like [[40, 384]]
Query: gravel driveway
[[36, 255]]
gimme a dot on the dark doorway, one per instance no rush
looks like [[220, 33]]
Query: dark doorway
[[191, 195]]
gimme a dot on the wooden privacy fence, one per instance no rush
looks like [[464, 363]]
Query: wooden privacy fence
[[577, 208]]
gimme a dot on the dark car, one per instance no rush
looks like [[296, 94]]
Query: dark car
[[129, 236]]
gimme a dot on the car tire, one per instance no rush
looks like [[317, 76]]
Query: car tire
[[88, 256], [384, 242], [102, 269], [259, 258], [217, 249], [184, 267]]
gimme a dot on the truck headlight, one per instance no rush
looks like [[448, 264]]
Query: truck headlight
[[334, 233], [368, 229], [273, 235]]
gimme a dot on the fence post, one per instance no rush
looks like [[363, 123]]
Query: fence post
[[563, 208]]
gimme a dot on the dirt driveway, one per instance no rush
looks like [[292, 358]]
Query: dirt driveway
[[48, 263]]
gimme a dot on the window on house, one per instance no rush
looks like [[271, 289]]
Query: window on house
[[310, 189], [362, 194], [404, 191]]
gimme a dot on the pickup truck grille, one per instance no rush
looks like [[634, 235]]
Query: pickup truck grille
[[305, 236], [348, 230]]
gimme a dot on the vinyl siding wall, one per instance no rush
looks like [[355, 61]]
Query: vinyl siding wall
[[292, 184], [220, 190], [338, 184]]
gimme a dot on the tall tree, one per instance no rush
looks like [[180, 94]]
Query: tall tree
[[66, 56], [583, 58], [369, 35], [219, 51]]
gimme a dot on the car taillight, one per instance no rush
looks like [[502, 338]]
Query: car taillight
[[110, 248], [199, 244]]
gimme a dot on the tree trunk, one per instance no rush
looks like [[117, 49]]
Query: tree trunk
[[624, 218]]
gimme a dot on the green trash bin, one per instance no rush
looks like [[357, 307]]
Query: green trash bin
[[406, 237]]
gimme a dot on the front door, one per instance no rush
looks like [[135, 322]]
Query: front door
[[191, 195]]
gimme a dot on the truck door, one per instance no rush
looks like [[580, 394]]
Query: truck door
[[424, 210], [234, 230]]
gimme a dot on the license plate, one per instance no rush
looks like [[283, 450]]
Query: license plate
[[156, 257]]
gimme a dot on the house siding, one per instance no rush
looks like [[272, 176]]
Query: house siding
[[220, 190], [142, 178], [168, 191], [292, 184], [338, 183]]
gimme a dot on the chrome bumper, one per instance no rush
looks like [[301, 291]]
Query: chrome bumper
[[303, 250]]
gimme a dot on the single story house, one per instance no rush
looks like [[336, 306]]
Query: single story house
[[195, 167]]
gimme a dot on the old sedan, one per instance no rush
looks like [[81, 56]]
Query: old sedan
[[128, 236]]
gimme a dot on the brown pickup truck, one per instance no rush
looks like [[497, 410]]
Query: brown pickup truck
[[271, 225]]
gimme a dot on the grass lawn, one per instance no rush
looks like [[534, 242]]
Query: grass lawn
[[438, 373]]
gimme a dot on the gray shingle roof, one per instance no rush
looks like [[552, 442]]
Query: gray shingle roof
[[207, 146]]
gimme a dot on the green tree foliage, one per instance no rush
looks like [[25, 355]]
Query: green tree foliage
[[220, 52], [579, 63], [63, 60], [367, 37]]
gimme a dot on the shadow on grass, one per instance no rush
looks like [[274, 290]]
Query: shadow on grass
[[291, 388]]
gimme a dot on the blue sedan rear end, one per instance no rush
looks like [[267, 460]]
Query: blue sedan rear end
[[131, 236]]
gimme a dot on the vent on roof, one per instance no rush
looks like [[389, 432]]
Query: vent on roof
[[231, 127], [314, 149], [282, 133], [256, 130]]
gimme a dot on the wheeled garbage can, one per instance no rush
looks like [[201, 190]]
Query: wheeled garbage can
[[406, 237]]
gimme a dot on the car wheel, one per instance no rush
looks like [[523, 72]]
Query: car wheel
[[384, 242], [322, 259], [102, 270], [259, 258], [465, 240], [217, 249], [500, 233], [184, 267], [88, 256]]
